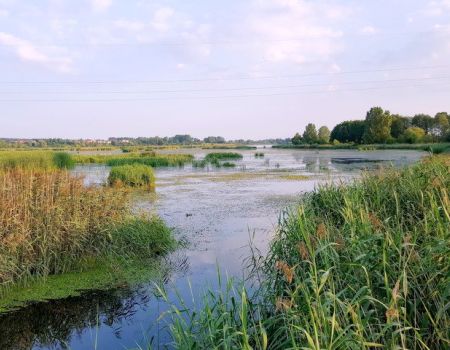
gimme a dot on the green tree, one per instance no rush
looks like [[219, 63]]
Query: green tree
[[442, 125], [399, 125], [348, 131], [378, 126], [297, 139], [324, 134], [414, 134], [310, 134], [423, 121]]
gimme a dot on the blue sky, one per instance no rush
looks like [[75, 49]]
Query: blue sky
[[241, 69]]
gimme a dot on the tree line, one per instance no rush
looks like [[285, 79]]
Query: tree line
[[380, 126]]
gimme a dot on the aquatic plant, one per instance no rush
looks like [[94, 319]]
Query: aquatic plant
[[217, 156], [26, 159], [133, 175], [199, 163], [356, 266], [259, 155], [63, 160], [51, 223], [146, 158], [228, 164]]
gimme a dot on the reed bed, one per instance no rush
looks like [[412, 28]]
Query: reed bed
[[217, 156], [146, 158], [133, 175], [358, 266], [50, 222]]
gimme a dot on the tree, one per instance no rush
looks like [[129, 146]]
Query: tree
[[310, 134], [297, 139], [378, 126], [324, 134], [414, 134], [442, 124], [399, 125], [348, 131], [423, 121]]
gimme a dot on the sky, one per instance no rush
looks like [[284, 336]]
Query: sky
[[249, 69]]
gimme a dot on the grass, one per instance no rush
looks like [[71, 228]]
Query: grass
[[218, 156], [359, 266], [51, 223], [132, 175], [228, 165], [146, 158], [36, 159]]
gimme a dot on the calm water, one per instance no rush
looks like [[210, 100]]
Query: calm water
[[215, 211]]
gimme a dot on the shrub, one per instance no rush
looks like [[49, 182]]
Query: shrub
[[414, 135], [133, 175]]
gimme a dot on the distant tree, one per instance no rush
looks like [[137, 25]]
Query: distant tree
[[214, 139], [442, 125], [310, 134], [324, 134], [378, 126], [297, 139], [414, 134], [399, 125], [348, 131], [423, 121]]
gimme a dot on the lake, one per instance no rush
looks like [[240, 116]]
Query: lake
[[216, 212]]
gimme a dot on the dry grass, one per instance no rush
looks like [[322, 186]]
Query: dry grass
[[50, 220]]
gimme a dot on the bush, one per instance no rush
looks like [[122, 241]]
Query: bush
[[414, 135], [222, 156], [133, 175]]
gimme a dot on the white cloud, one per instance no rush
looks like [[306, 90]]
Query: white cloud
[[296, 31], [132, 26], [369, 30], [100, 5], [27, 52], [161, 19]]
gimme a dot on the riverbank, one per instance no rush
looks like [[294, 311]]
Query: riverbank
[[435, 148], [51, 223], [363, 265]]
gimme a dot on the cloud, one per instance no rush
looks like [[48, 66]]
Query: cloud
[[27, 52], [296, 31], [369, 30], [100, 5], [161, 19], [130, 25]]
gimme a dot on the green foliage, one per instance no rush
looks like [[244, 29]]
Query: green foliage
[[228, 164], [324, 135], [399, 125], [442, 125], [259, 155], [377, 126], [297, 139], [133, 175], [348, 131], [353, 267], [413, 135], [147, 158], [423, 121], [26, 159], [222, 156], [63, 160], [310, 134]]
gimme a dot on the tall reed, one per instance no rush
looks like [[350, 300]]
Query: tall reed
[[357, 266]]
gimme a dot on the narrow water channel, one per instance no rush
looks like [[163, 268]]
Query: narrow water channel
[[215, 211]]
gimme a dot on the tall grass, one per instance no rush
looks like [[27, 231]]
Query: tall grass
[[36, 159], [358, 266], [210, 157], [51, 222], [133, 175], [146, 158]]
